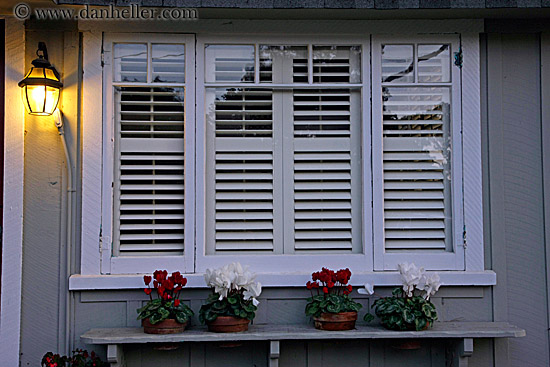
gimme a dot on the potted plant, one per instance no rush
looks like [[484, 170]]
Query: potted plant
[[232, 304], [330, 304], [410, 307], [165, 314], [80, 358]]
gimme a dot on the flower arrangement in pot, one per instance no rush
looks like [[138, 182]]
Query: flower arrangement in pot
[[232, 304], [409, 307], [79, 358], [164, 314], [330, 304]]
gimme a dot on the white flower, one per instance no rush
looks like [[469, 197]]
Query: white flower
[[410, 276], [254, 290], [430, 284], [369, 289], [232, 276]]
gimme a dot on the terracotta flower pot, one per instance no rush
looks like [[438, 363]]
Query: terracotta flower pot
[[336, 321], [228, 324], [168, 326]]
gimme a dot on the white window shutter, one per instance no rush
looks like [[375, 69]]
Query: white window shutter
[[149, 192], [326, 156], [241, 177]]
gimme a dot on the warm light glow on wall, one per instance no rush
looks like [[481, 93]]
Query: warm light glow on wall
[[40, 87]]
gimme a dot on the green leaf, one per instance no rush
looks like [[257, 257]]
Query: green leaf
[[333, 308], [397, 292], [182, 317], [408, 316], [368, 317], [420, 324]]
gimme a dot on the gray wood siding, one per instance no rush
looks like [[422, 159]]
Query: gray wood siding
[[516, 196]]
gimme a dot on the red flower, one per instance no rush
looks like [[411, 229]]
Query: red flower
[[176, 302], [309, 285], [330, 284], [325, 290], [184, 282], [147, 291], [350, 288], [147, 279]]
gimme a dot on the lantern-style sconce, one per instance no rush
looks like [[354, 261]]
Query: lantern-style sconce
[[40, 87]]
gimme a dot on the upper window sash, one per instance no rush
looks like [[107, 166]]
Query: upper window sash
[[253, 56]]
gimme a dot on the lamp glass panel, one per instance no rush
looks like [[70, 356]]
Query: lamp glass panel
[[51, 75], [37, 73], [40, 100]]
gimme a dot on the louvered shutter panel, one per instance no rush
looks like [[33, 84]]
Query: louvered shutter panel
[[241, 126], [326, 177], [149, 195], [416, 169]]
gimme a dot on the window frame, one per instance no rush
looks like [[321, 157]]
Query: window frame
[[146, 264], [283, 263], [95, 243], [454, 260]]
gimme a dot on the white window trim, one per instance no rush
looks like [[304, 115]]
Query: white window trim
[[283, 263], [94, 109]]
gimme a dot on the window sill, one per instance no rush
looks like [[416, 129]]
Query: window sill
[[381, 279]]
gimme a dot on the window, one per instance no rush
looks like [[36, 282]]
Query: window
[[151, 81], [298, 153], [283, 154], [417, 153]]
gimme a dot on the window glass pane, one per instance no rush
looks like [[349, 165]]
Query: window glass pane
[[336, 64], [130, 62], [397, 64], [229, 63], [283, 64], [434, 63], [417, 175], [168, 63]]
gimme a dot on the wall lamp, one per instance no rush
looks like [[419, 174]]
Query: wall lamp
[[40, 87], [40, 91]]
